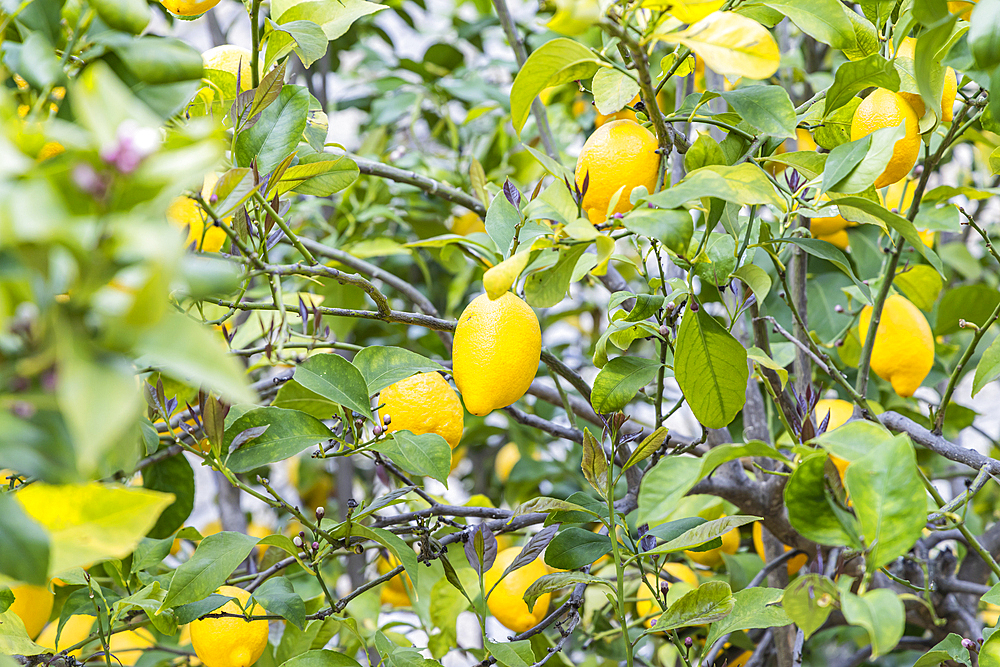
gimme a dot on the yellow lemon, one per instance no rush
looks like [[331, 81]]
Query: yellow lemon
[[839, 239], [467, 223], [394, 592], [185, 213], [33, 605], [506, 458], [127, 647], [884, 108], [962, 7], [506, 602], [624, 114], [424, 403], [189, 8], [713, 557], [229, 58], [742, 659], [904, 346], [907, 49], [498, 344], [619, 154], [230, 642], [990, 615], [840, 412], [794, 565], [77, 629]]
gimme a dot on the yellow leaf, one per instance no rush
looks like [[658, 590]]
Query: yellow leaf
[[730, 44], [605, 246], [88, 523], [687, 11], [498, 279]]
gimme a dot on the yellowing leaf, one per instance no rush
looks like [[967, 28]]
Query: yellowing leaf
[[88, 523], [687, 11], [498, 279], [730, 44], [605, 246], [573, 17]]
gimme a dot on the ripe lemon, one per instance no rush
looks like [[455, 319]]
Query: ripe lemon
[[467, 223], [619, 153], [185, 213], [77, 629], [904, 346], [898, 198], [840, 412], [506, 602], [33, 605], [794, 565], [189, 8], [626, 113], [230, 642], [424, 403], [742, 659], [962, 7], [884, 108], [507, 457], [646, 604], [831, 229], [394, 592], [713, 557], [907, 49], [498, 344], [229, 58], [127, 647]]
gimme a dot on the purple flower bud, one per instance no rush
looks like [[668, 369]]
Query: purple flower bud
[[688, 642], [838, 308], [297, 541], [969, 644], [664, 329], [387, 419], [694, 306], [315, 546], [650, 205], [320, 512], [618, 216], [377, 430]]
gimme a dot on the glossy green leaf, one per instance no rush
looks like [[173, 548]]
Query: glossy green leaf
[[318, 174], [949, 648], [555, 62], [277, 132], [809, 600], [171, 475], [831, 253], [547, 288], [878, 611], [972, 303], [425, 454], [767, 108], [288, 433], [613, 89], [382, 366], [665, 484], [742, 184], [335, 18], [573, 548], [921, 284], [754, 608], [619, 381], [671, 227], [813, 511], [703, 534], [215, 559], [708, 603], [825, 21], [595, 463], [334, 377], [853, 77], [905, 228], [711, 368]]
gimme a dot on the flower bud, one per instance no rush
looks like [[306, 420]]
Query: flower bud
[[320, 512], [377, 430], [688, 642], [664, 329], [387, 419], [297, 541], [838, 308], [694, 306], [315, 546]]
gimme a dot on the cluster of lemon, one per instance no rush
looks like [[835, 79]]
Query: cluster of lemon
[[217, 641]]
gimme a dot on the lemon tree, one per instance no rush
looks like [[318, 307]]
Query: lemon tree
[[635, 333]]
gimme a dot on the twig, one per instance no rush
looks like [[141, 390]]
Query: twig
[[428, 185]]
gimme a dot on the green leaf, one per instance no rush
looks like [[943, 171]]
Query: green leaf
[[88, 523], [294, 396], [708, 603], [501, 222], [319, 657], [647, 447], [711, 368], [726, 453], [333, 377], [988, 368], [767, 108], [38, 63], [831, 253], [613, 89], [972, 303], [619, 381], [758, 356], [335, 18], [216, 557], [878, 149], [812, 510], [547, 288], [186, 613], [718, 260], [889, 499], [277, 597], [703, 534], [989, 652], [705, 151], [24, 551], [854, 439], [743, 184], [905, 228], [853, 77], [949, 648], [671, 227], [425, 454], [756, 278], [318, 174], [921, 284], [595, 463], [288, 433], [809, 600], [555, 581], [665, 484], [824, 20], [150, 553], [555, 62], [160, 60], [277, 132], [754, 608], [382, 366], [171, 475], [573, 548], [131, 16], [878, 611], [304, 37], [14, 639]]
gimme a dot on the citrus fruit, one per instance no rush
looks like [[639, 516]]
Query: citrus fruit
[[646, 605], [626, 113], [796, 562], [229, 58], [506, 602], [498, 344], [742, 659], [962, 7], [127, 647], [394, 592], [907, 49], [506, 458], [884, 108], [840, 412], [33, 605], [189, 7], [831, 229], [713, 557], [77, 629], [467, 223], [619, 154], [904, 346], [230, 642], [185, 213], [424, 403]]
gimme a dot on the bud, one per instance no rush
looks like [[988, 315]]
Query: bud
[[838, 308], [688, 642], [669, 306], [969, 644], [664, 587], [387, 419], [351, 503], [664, 329], [377, 430], [781, 294], [315, 546], [840, 343], [694, 306], [320, 512], [297, 541], [618, 216]]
